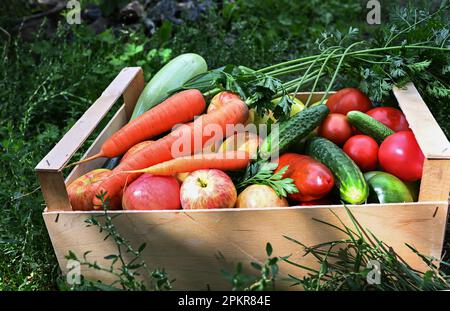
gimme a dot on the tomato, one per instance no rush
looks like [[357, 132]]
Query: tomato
[[348, 99], [401, 156], [391, 117], [312, 179], [363, 150], [336, 128], [287, 159]]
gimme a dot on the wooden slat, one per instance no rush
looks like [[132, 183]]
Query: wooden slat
[[429, 135], [435, 183], [186, 243], [80, 131], [132, 93], [54, 190], [49, 169], [317, 96], [116, 122]]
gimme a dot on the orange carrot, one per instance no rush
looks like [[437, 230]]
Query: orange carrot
[[136, 148], [227, 161], [179, 108], [161, 150]]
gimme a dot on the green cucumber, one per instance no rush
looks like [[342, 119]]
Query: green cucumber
[[112, 162], [170, 77], [369, 125], [386, 188], [292, 130], [348, 177]]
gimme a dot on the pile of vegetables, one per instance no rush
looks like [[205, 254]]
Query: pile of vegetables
[[340, 149]]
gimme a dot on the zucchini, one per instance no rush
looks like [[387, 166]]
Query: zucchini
[[386, 188], [348, 177], [292, 130], [170, 77], [369, 125]]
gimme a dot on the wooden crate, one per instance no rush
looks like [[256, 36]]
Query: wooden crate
[[186, 243]]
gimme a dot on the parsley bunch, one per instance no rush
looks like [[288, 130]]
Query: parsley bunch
[[262, 173]]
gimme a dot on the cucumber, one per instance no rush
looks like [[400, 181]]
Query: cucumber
[[369, 125], [170, 77], [292, 130], [111, 163], [386, 188], [348, 177]]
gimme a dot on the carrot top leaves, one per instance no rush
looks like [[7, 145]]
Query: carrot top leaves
[[255, 88]]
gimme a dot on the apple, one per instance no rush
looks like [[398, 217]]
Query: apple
[[136, 148], [244, 141], [82, 190], [151, 192], [269, 118], [260, 196], [207, 189], [221, 99]]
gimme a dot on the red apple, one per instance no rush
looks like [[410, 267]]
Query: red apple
[[207, 189], [256, 196], [82, 190], [150, 192], [220, 99]]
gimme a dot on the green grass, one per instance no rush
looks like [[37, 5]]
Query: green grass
[[47, 82]]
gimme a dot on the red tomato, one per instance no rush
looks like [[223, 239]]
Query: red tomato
[[391, 117], [336, 128], [287, 159], [363, 150], [349, 99], [401, 156], [312, 179]]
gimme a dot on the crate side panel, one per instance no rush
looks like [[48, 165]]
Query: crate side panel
[[188, 245]]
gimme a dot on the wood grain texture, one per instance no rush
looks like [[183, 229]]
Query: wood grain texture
[[187, 243], [54, 190], [435, 183], [429, 135]]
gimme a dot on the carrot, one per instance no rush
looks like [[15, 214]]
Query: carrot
[[179, 108], [161, 150], [136, 148], [227, 161]]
